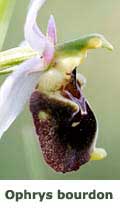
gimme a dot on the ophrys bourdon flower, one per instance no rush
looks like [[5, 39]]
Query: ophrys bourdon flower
[[63, 118]]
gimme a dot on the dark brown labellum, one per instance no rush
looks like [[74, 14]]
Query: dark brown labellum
[[66, 137]]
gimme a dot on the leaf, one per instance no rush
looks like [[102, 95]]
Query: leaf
[[6, 10]]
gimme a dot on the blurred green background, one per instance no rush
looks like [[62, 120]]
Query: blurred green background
[[20, 155]]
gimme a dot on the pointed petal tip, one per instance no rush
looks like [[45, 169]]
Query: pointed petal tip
[[51, 29], [52, 19]]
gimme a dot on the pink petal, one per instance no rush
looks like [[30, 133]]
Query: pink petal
[[51, 30], [49, 52]]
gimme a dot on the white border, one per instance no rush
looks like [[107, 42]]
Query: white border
[[65, 186]]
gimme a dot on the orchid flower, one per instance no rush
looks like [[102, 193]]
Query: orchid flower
[[49, 80]]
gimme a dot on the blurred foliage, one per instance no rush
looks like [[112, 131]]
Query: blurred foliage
[[101, 68], [6, 10]]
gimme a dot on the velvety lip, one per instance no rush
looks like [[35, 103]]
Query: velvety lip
[[65, 145]]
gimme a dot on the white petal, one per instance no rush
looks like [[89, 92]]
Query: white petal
[[33, 35], [16, 90], [51, 30]]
